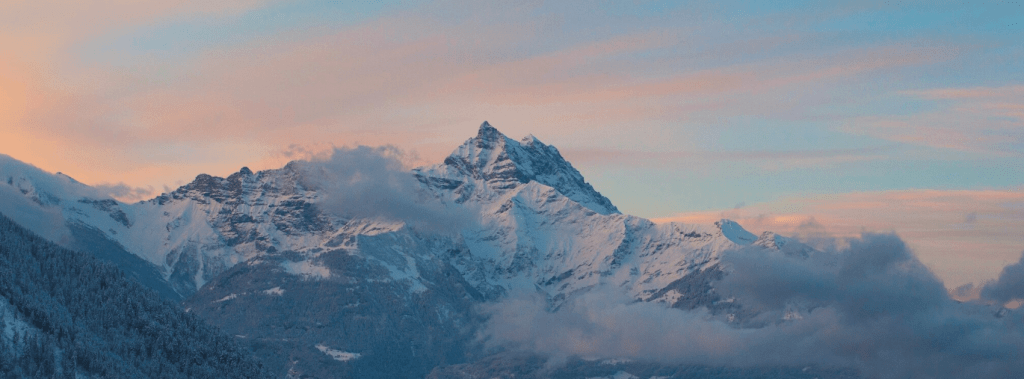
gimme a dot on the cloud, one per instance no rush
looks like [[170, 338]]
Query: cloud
[[64, 22], [60, 111], [871, 306], [768, 159], [605, 323], [958, 249], [418, 78], [1000, 93], [372, 182], [966, 292], [302, 152], [979, 119], [888, 314], [45, 221], [124, 192], [1009, 286], [971, 218]]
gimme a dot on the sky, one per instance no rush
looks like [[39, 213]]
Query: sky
[[804, 118]]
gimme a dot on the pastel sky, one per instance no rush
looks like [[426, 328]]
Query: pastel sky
[[799, 117]]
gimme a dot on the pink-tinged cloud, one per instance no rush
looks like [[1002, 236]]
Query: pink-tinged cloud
[[981, 119], [964, 236], [764, 159], [418, 81], [1008, 92], [78, 19], [57, 114]]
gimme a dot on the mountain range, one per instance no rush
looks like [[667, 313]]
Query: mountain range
[[351, 266]]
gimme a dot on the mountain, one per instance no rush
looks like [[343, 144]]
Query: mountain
[[64, 314], [271, 258]]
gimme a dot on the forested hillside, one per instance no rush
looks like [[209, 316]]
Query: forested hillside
[[64, 314]]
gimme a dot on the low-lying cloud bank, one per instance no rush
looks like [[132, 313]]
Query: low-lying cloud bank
[[869, 305]]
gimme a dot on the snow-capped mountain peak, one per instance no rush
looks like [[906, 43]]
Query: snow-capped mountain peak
[[500, 164]]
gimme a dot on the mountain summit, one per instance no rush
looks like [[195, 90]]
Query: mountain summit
[[500, 163]]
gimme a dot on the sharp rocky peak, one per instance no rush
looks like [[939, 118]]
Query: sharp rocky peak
[[505, 163], [220, 189], [488, 133]]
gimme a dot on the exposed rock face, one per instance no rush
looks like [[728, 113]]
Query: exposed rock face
[[492, 164]]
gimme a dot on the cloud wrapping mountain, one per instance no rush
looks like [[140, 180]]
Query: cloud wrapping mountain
[[871, 306], [397, 270], [372, 183]]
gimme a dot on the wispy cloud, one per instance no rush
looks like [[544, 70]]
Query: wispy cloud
[[56, 111], [768, 159], [125, 192], [983, 119], [413, 77]]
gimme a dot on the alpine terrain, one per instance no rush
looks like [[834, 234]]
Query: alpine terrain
[[279, 260]]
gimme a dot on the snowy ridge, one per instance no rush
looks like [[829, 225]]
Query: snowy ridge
[[542, 226], [541, 239], [38, 200], [189, 235]]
